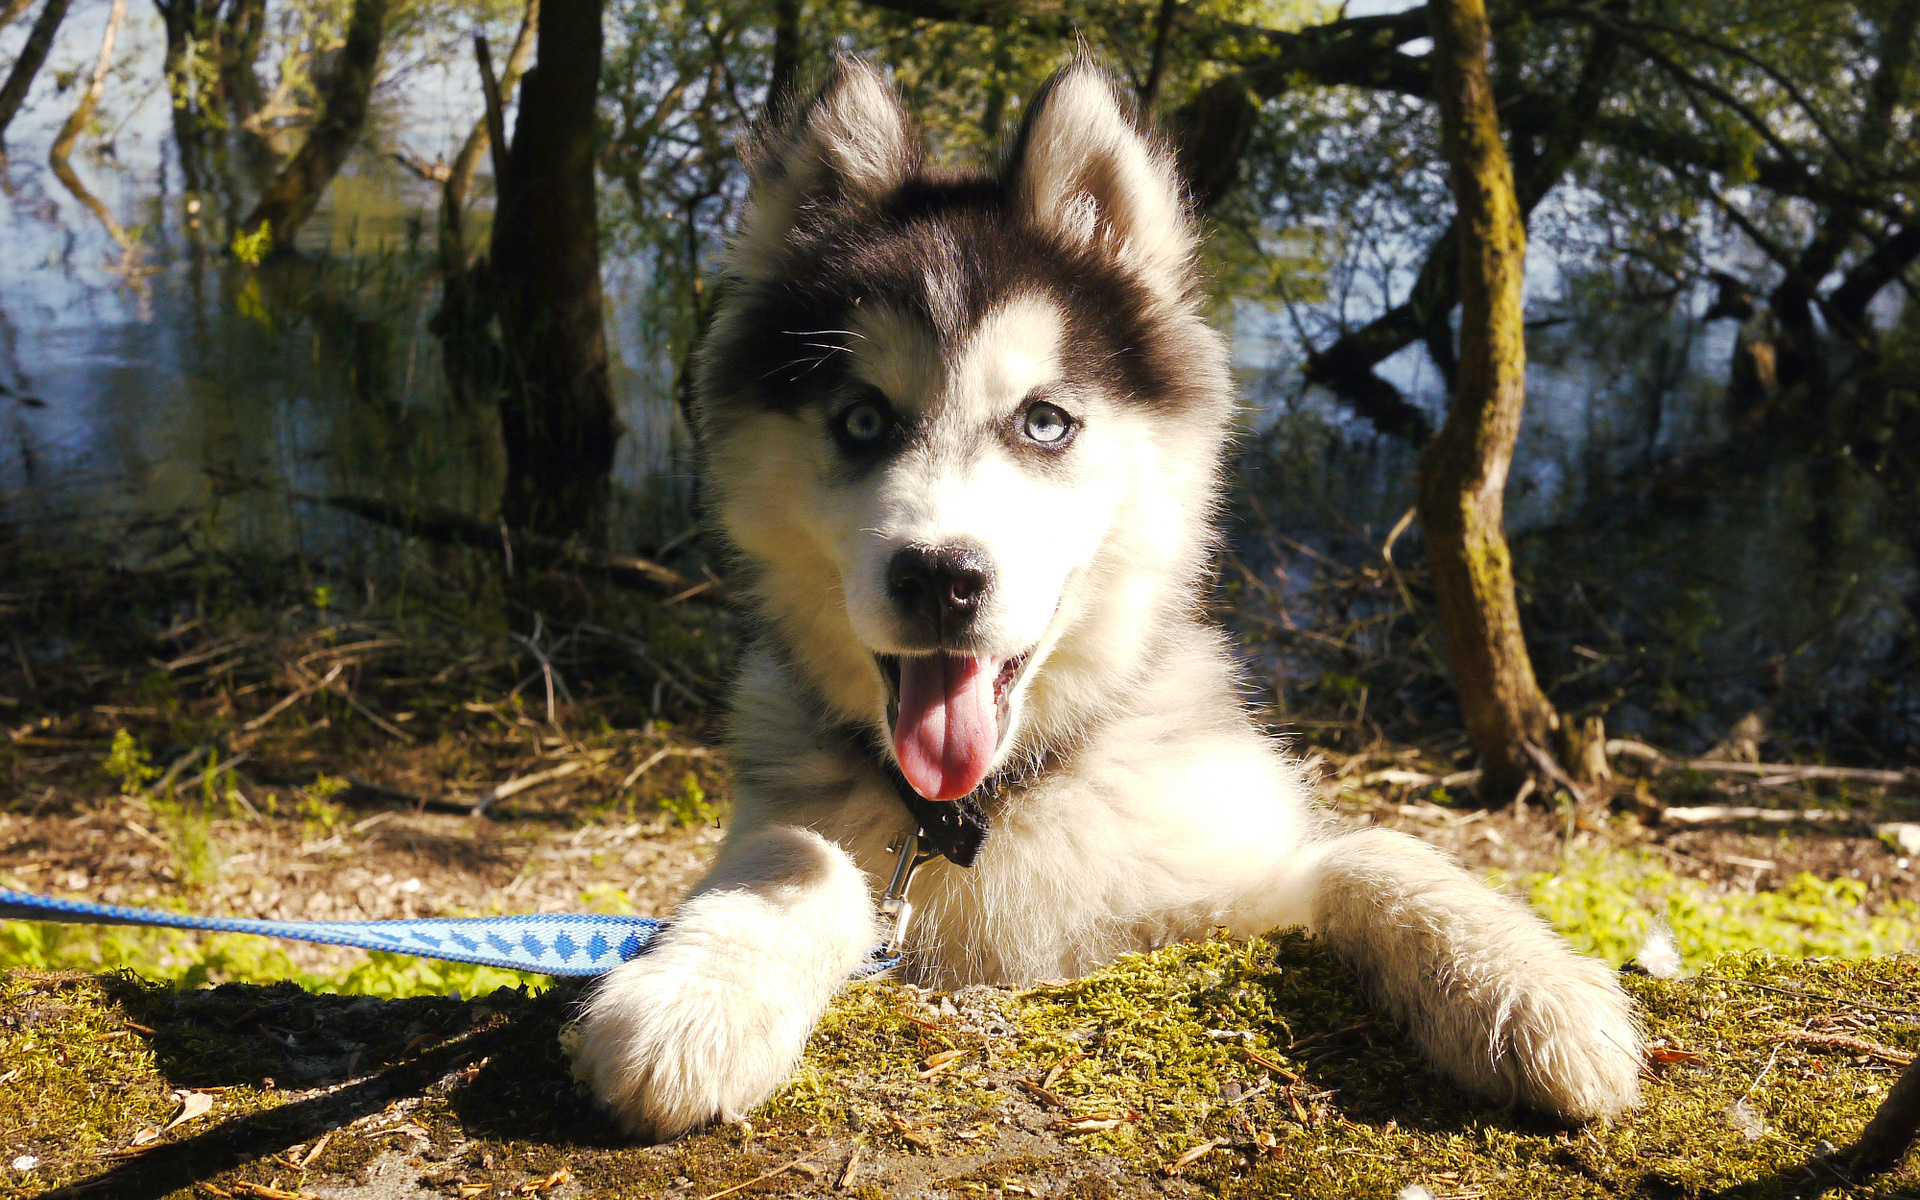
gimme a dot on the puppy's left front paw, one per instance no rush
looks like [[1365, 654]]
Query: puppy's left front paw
[[1568, 1041]]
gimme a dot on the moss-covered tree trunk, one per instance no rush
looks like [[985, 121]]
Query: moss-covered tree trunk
[[1463, 470], [290, 199], [39, 41], [556, 413]]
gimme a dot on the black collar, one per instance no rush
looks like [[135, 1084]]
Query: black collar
[[955, 828]]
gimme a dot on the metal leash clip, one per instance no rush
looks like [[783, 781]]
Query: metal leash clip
[[894, 904]]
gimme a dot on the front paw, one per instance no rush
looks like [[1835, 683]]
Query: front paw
[[669, 1042], [714, 1016], [1574, 1042]]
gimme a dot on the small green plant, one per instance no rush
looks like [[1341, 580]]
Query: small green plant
[[189, 835], [250, 248], [690, 807], [128, 764]]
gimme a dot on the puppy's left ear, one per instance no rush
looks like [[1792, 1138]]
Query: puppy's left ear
[[1085, 170]]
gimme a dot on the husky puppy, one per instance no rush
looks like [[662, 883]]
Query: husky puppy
[[964, 432]]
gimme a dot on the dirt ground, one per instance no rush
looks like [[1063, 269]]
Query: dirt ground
[[365, 853]]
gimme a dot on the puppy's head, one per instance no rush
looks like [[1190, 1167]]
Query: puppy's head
[[964, 427]]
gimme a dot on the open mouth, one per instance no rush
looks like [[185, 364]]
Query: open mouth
[[947, 714]]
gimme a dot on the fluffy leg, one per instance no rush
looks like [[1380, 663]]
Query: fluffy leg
[[714, 1016], [1492, 995]]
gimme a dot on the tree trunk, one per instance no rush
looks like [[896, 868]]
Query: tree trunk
[[90, 99], [1463, 470], [32, 55], [453, 196], [784, 73], [290, 198], [556, 414], [244, 26]]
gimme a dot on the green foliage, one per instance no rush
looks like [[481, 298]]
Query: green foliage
[[1608, 905], [253, 248], [128, 764], [188, 831], [690, 807]]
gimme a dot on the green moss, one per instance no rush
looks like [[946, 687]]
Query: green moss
[[1263, 1050]]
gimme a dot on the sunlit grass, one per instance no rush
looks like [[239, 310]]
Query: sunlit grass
[[1605, 903], [198, 960], [1609, 903]]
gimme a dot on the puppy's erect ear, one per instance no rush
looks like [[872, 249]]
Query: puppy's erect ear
[[1084, 170], [850, 144]]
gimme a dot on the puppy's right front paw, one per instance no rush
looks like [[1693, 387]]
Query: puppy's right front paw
[[668, 1046], [714, 1016]]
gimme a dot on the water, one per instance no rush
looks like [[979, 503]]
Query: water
[[176, 393]]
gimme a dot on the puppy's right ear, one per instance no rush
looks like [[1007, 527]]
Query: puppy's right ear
[[847, 146]]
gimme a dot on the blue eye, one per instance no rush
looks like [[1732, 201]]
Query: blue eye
[[866, 420], [1047, 424]]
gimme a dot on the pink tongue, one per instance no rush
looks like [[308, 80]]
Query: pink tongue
[[948, 727]]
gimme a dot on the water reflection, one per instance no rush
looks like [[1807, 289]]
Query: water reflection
[[149, 378]]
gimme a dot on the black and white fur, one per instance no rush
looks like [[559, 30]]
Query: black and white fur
[[1136, 802]]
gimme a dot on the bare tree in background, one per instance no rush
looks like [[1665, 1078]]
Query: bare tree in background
[[556, 409]]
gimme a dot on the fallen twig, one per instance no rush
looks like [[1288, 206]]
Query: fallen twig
[[1771, 773], [463, 808], [1708, 814], [1853, 1045], [782, 1169], [444, 525], [294, 698]]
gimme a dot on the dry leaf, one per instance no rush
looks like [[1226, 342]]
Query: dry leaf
[[467, 1191], [531, 1186], [193, 1104], [314, 1153], [1192, 1156], [1662, 1054], [846, 1173], [911, 1131], [1041, 1094], [940, 1062]]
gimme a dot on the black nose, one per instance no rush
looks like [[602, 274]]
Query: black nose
[[939, 588]]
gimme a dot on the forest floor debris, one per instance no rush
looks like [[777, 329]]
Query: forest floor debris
[[175, 742]]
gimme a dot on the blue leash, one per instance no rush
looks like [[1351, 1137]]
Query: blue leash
[[568, 944], [576, 944]]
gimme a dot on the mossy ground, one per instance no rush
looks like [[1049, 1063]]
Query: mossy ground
[[1264, 1050]]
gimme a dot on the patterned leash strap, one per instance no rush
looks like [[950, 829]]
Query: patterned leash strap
[[568, 944]]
